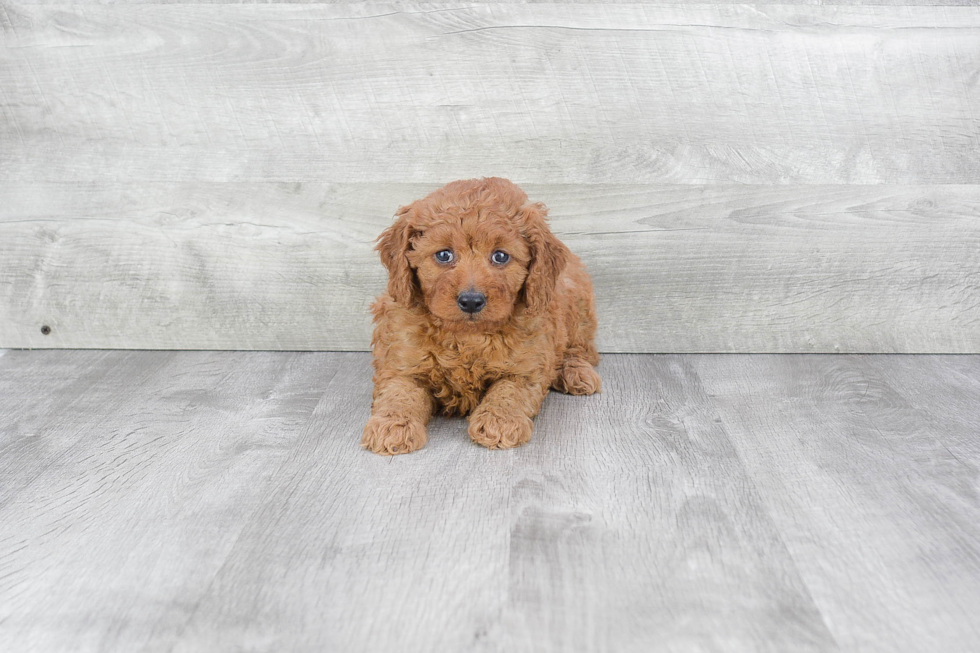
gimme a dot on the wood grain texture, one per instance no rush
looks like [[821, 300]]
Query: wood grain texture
[[189, 501], [881, 517], [231, 508], [943, 389], [677, 268], [123, 505], [544, 548], [408, 5], [211, 175], [546, 93]]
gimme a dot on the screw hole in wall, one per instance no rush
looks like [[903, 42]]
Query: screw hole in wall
[[46, 330]]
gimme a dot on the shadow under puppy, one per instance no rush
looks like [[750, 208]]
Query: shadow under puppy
[[486, 310]]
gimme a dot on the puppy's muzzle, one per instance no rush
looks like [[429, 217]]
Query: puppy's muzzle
[[471, 302]]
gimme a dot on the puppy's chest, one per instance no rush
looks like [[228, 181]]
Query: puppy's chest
[[459, 373]]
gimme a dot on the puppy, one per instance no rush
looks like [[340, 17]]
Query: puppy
[[485, 311]]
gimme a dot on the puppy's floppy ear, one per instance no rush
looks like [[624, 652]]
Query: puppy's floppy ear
[[548, 257], [393, 246]]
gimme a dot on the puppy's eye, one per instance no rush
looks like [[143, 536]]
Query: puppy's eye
[[500, 257], [444, 256]]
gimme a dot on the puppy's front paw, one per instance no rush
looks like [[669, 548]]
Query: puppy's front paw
[[392, 435], [578, 377], [495, 432]]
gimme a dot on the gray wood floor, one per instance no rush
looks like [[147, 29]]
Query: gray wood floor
[[206, 501]]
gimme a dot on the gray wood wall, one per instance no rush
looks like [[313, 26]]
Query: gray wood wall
[[770, 178]]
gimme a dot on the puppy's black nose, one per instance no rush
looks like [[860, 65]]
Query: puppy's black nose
[[471, 302]]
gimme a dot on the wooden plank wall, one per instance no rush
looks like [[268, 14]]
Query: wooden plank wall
[[752, 178]]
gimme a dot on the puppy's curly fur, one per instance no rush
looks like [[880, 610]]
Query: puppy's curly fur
[[535, 330]]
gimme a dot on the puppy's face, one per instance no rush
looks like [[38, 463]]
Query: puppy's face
[[472, 253], [471, 268]]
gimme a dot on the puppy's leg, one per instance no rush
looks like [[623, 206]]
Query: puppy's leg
[[503, 418], [400, 411], [577, 376]]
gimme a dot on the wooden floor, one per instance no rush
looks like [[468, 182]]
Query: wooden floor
[[203, 501]]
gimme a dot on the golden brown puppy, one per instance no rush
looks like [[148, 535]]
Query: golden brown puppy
[[485, 311]]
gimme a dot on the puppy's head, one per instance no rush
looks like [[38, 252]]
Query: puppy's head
[[472, 253]]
